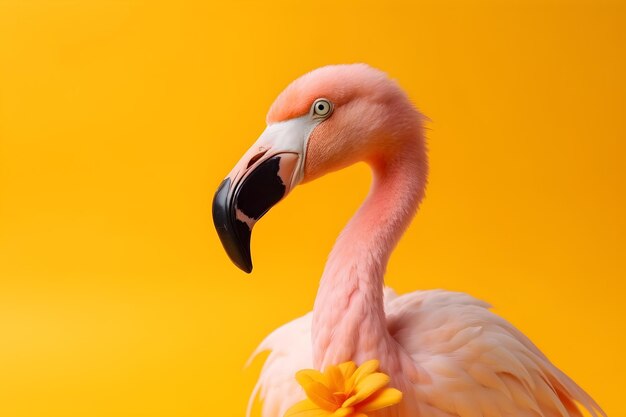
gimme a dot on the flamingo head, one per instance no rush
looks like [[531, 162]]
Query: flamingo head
[[323, 121]]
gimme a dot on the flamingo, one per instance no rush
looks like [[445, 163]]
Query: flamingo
[[446, 352]]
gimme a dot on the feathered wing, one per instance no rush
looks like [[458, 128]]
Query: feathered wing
[[473, 362], [476, 364], [290, 350]]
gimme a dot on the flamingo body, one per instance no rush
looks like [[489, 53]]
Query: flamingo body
[[470, 361], [445, 351]]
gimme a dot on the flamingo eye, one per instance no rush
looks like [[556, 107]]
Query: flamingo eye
[[322, 107]]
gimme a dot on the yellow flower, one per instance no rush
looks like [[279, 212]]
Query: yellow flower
[[344, 391]]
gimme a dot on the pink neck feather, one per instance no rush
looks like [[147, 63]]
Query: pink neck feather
[[349, 319]]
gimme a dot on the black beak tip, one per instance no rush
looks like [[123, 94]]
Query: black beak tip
[[234, 234], [247, 268], [245, 264]]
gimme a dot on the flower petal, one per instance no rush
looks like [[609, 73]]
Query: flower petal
[[312, 374], [306, 408], [316, 391], [383, 398], [365, 369], [366, 387], [334, 376], [347, 369], [343, 412], [372, 382]]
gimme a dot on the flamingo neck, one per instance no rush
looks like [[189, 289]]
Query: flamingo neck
[[349, 320]]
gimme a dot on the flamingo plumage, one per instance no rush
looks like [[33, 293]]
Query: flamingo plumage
[[446, 351]]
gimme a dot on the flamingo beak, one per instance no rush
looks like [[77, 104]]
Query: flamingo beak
[[263, 177], [240, 202]]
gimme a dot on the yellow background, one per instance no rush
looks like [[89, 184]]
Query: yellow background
[[118, 119]]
